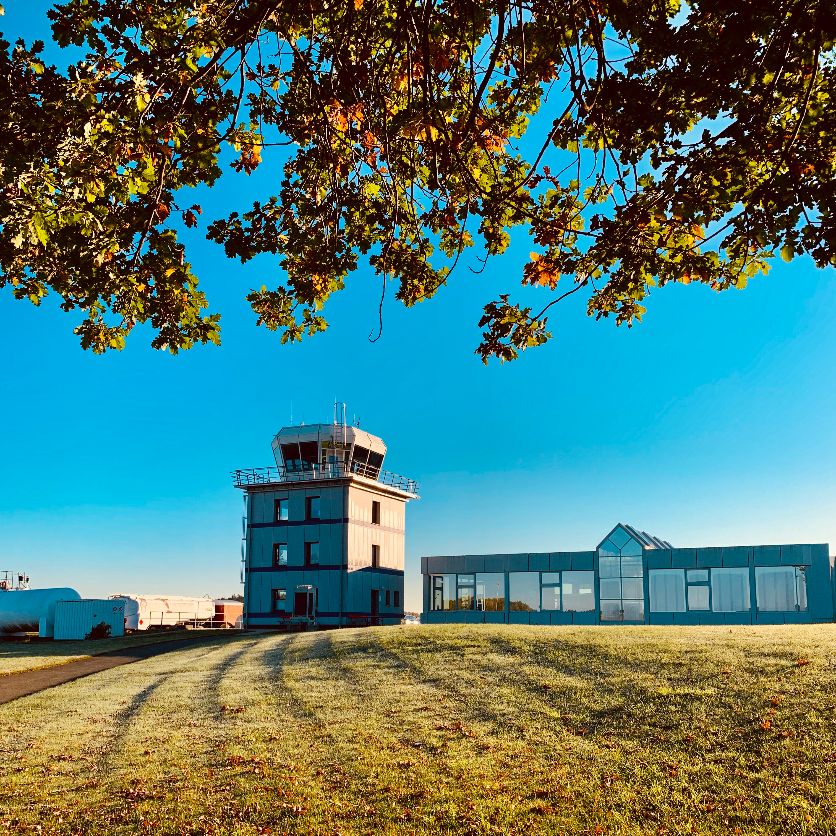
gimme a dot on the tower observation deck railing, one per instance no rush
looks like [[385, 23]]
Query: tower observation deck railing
[[337, 470]]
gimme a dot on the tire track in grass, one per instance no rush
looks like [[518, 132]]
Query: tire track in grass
[[305, 706], [147, 766], [350, 752], [271, 771], [80, 734], [128, 717], [410, 770]]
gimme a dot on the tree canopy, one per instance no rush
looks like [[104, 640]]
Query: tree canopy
[[639, 142]]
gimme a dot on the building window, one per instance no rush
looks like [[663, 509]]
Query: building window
[[442, 592], [465, 597], [280, 554], [375, 513], [621, 578], [490, 591], [397, 598], [730, 590], [312, 554], [550, 590], [312, 508], [699, 592], [667, 590], [279, 599], [388, 597], [282, 510], [699, 597], [781, 588], [578, 590], [524, 591], [375, 557]]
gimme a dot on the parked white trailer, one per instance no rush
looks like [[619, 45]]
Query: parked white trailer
[[144, 611]]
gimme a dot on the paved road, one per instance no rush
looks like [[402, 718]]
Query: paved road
[[15, 685]]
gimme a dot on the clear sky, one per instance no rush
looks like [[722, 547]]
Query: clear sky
[[709, 423]]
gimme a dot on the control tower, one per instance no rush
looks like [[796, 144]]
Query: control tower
[[323, 531]]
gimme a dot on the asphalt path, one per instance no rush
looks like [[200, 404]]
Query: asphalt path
[[22, 684]]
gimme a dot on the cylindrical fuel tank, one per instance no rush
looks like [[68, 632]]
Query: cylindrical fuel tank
[[22, 609]]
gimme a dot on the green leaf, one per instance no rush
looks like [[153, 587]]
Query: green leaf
[[40, 228]]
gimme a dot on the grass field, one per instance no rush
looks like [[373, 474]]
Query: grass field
[[34, 654], [448, 729]]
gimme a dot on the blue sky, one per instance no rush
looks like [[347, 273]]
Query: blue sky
[[709, 423]]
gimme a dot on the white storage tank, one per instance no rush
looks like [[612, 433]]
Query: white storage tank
[[78, 619], [28, 610], [144, 611]]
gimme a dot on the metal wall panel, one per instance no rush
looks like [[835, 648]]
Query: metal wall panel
[[658, 558], [473, 563], [74, 620], [711, 556], [736, 556], [517, 562], [538, 562], [582, 560], [820, 584], [766, 556], [495, 563], [794, 556], [436, 564], [683, 558], [560, 561]]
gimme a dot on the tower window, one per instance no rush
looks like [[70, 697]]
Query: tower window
[[397, 597], [375, 557], [375, 513], [312, 554], [312, 508], [388, 597], [280, 554], [279, 598], [282, 509]]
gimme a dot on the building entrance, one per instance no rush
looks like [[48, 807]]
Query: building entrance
[[304, 603]]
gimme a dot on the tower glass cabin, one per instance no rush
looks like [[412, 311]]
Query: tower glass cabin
[[323, 531]]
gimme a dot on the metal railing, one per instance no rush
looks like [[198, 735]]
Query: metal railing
[[337, 470], [170, 618]]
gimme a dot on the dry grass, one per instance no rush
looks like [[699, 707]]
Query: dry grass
[[18, 655], [448, 729]]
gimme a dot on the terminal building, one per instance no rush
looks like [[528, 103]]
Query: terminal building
[[323, 531], [634, 578]]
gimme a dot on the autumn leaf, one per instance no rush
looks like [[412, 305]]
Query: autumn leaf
[[541, 271]]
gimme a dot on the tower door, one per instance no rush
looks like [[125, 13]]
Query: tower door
[[374, 610], [304, 602]]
